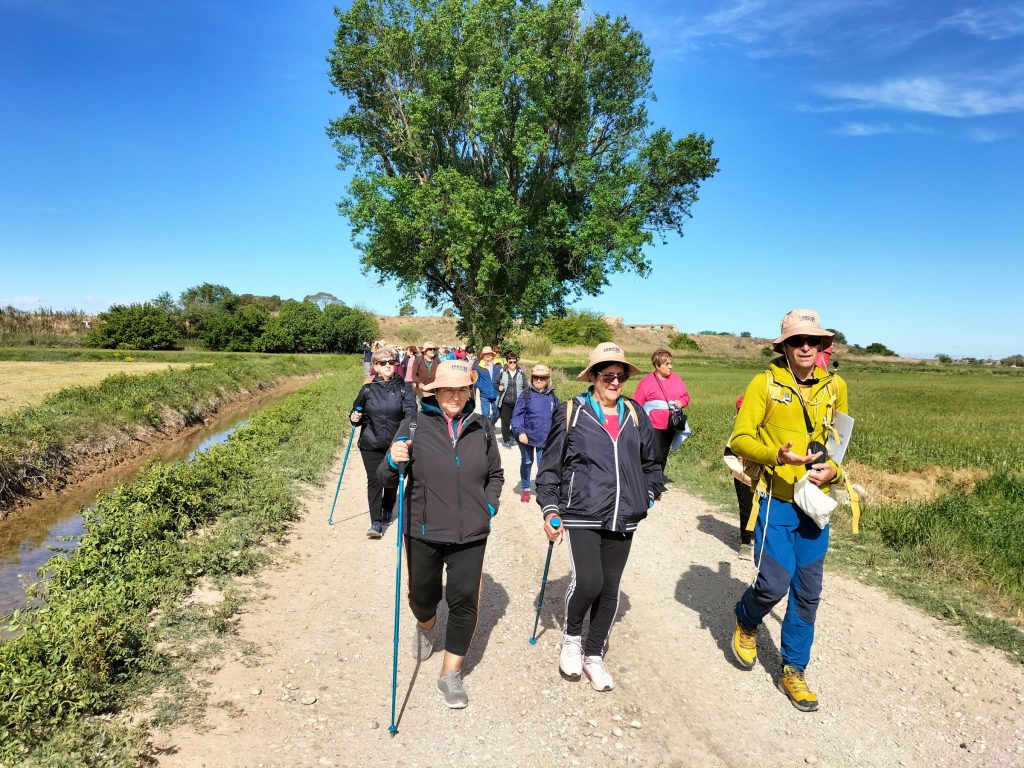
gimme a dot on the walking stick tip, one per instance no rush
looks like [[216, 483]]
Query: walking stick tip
[[393, 729], [533, 641]]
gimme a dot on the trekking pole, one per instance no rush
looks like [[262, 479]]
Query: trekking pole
[[393, 728], [555, 522], [351, 431]]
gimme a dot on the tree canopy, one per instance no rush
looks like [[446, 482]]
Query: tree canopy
[[505, 160]]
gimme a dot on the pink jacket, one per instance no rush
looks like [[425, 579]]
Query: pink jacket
[[648, 390]]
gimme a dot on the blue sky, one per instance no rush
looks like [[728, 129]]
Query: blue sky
[[871, 162]]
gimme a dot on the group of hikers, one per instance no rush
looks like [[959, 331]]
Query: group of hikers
[[600, 460]]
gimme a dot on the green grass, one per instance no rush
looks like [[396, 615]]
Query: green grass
[[113, 627], [959, 556], [35, 443]]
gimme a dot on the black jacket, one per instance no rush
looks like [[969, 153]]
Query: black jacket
[[452, 491], [592, 481], [384, 404]]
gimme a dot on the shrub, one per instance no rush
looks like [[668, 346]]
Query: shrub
[[587, 328], [536, 345], [1017, 360], [297, 328], [135, 326], [345, 328], [943, 358], [878, 348], [682, 341], [744, 334], [235, 331]]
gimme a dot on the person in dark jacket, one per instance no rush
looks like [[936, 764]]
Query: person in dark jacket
[[382, 405], [531, 422], [511, 385], [453, 484], [425, 367], [600, 473]]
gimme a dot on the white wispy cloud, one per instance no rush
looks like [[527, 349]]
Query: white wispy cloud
[[988, 135], [996, 23], [859, 129], [978, 97]]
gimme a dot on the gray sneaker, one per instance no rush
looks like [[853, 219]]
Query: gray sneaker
[[450, 688], [746, 552], [422, 647]]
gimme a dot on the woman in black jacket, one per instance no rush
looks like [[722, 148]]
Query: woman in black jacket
[[600, 473], [453, 484], [379, 408]]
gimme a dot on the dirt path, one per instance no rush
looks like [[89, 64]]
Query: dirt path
[[898, 688]]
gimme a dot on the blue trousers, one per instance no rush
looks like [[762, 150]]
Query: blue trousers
[[792, 560], [489, 409], [526, 463]]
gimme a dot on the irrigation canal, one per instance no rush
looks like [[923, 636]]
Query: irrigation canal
[[31, 535]]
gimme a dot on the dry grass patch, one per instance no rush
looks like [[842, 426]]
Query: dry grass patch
[[925, 484], [27, 383]]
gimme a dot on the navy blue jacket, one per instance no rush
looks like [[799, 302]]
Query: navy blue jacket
[[592, 481], [532, 415], [487, 380]]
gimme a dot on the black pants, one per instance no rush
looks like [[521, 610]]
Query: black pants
[[465, 564], [745, 500], [506, 419], [381, 500], [598, 559], [664, 444]]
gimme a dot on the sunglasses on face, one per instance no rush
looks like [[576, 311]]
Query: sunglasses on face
[[386, 362], [541, 378], [798, 341], [609, 377]]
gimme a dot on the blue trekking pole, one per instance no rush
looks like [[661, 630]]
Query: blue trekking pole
[[555, 522], [351, 431], [393, 728]]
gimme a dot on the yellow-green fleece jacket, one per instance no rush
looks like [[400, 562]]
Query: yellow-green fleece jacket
[[786, 423]]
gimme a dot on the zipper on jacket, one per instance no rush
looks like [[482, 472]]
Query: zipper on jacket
[[615, 453], [572, 479]]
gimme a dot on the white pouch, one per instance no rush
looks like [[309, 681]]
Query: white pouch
[[815, 503]]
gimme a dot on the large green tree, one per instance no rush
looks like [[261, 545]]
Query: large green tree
[[505, 161]]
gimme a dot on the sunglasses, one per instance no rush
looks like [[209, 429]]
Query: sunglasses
[[798, 341], [386, 362], [609, 377]]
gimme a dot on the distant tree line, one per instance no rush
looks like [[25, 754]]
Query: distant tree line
[[215, 317]]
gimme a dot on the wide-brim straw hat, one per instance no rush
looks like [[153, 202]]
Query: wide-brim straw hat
[[429, 345], [486, 351], [802, 322], [608, 352], [450, 373], [540, 370]]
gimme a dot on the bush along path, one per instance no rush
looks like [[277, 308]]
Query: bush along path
[[306, 681], [39, 445], [114, 626]]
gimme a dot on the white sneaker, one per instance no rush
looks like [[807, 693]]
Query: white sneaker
[[570, 662], [597, 673]]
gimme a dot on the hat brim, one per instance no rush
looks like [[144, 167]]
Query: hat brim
[[631, 369]]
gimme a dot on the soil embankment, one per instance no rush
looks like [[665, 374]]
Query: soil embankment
[[898, 688], [109, 460]]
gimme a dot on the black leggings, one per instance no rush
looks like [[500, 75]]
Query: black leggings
[[465, 564], [381, 500], [665, 437], [598, 559], [506, 420], [745, 500]]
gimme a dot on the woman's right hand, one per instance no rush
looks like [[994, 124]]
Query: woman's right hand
[[355, 417], [399, 451], [524, 439], [553, 534]]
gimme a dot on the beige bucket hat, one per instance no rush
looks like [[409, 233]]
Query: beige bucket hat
[[486, 351], [450, 373], [429, 345], [802, 322], [608, 352], [540, 370]]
